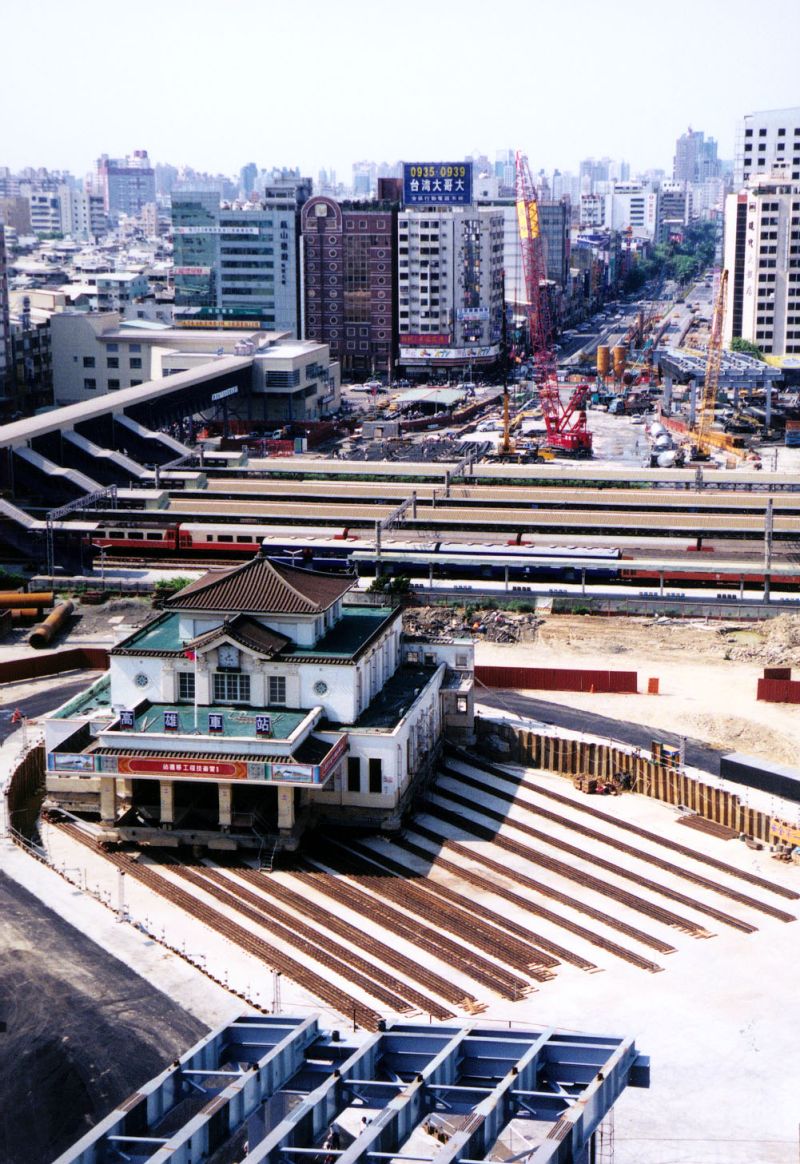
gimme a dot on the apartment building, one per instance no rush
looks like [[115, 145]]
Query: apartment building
[[762, 255], [449, 285], [767, 142]]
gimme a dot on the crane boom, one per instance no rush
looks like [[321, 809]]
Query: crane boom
[[708, 401], [566, 426]]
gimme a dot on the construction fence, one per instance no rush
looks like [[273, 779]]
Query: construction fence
[[559, 679], [37, 666], [778, 690], [571, 757], [23, 792]]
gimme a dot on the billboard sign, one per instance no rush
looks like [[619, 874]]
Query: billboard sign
[[437, 183]]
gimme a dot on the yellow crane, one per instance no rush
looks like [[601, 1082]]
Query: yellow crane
[[704, 437]]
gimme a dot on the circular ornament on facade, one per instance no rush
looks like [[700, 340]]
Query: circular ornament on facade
[[321, 687], [141, 680]]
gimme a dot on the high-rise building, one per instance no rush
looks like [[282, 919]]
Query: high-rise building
[[349, 266], [626, 205], [83, 215], [674, 209], [126, 184], [46, 211], [238, 262], [762, 255], [365, 177], [767, 143], [248, 176], [554, 221], [449, 285], [695, 157]]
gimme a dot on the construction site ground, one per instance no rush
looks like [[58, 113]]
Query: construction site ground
[[707, 671], [722, 1043]]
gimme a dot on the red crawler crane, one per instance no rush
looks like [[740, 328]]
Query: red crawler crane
[[565, 423]]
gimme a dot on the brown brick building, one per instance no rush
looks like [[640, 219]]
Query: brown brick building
[[349, 276]]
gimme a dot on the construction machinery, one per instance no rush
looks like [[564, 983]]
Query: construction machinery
[[565, 423], [704, 437]]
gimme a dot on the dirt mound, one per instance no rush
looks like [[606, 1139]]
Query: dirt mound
[[778, 643], [733, 733]]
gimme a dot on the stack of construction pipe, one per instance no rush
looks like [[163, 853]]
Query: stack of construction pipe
[[25, 607]]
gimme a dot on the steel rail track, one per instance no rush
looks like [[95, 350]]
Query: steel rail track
[[631, 850], [562, 869], [627, 826], [343, 1003], [425, 936], [281, 925], [534, 906], [440, 986], [370, 870]]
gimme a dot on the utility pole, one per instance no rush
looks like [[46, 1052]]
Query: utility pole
[[768, 517]]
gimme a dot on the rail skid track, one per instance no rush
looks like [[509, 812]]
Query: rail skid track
[[484, 897]]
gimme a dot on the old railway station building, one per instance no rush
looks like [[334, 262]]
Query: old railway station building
[[263, 699]]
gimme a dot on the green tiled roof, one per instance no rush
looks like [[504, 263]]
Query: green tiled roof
[[159, 635], [353, 631], [237, 721]]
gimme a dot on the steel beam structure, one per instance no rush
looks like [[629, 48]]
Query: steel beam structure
[[282, 1082]]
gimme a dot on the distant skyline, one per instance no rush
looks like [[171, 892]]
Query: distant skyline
[[320, 86]]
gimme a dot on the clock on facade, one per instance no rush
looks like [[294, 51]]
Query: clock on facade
[[141, 680], [321, 687], [228, 655]]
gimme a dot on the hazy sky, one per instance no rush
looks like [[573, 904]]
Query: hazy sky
[[322, 83]]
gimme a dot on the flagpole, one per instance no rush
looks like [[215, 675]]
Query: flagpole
[[195, 690]]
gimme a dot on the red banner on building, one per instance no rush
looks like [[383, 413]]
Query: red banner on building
[[170, 766]]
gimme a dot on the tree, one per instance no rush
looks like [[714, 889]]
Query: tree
[[383, 584], [739, 344], [166, 587]]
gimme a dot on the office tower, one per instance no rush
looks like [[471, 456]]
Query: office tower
[[127, 184], [449, 286], [695, 157], [248, 176], [238, 262]]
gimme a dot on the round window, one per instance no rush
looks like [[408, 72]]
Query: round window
[[141, 680], [320, 687]]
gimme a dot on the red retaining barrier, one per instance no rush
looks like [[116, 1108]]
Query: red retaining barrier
[[559, 679], [777, 672], [778, 690], [36, 666]]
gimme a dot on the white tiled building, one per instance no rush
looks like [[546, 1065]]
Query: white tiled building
[[449, 283], [258, 701], [762, 255], [767, 142]]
